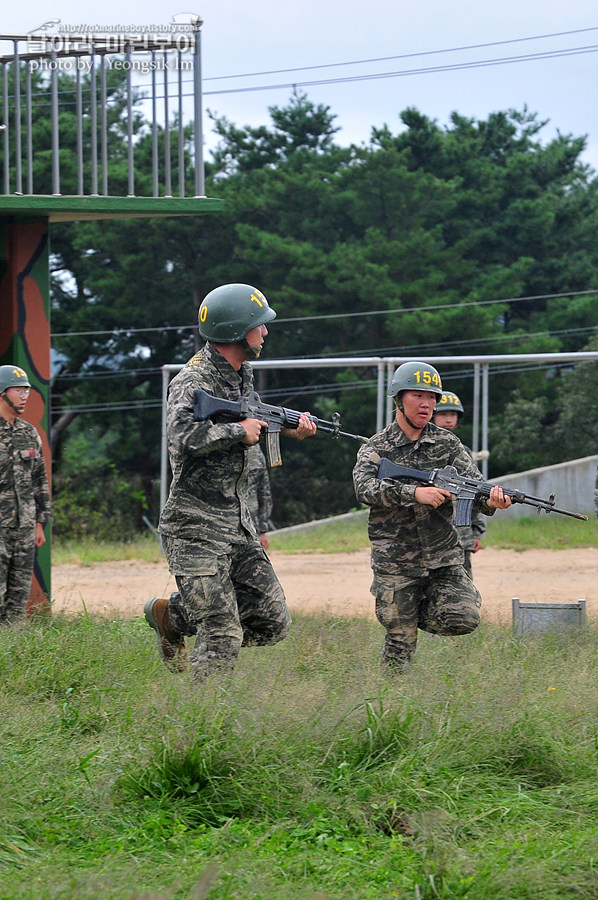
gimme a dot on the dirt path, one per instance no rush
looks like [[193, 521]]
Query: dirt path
[[340, 583]]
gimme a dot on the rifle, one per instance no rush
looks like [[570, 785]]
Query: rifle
[[205, 406], [467, 489]]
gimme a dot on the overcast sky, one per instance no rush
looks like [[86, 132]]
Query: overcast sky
[[275, 45]]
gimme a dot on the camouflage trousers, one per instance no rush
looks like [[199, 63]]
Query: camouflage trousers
[[444, 601], [231, 601], [17, 552], [467, 563]]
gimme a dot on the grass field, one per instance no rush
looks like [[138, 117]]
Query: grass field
[[347, 534], [304, 775]]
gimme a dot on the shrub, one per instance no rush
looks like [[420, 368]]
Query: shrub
[[90, 498]]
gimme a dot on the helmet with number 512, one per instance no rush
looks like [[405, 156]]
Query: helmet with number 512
[[449, 402]]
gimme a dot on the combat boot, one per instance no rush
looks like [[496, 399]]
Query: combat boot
[[171, 643]]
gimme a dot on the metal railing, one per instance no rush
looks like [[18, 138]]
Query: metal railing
[[385, 366], [43, 75]]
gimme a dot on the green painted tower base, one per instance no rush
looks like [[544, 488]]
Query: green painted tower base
[[25, 303], [25, 342]]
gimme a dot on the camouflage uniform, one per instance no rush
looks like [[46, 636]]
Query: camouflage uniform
[[228, 594], [24, 501], [469, 533], [260, 493], [419, 578]]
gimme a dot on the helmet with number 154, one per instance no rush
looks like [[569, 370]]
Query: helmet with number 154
[[228, 312], [415, 376]]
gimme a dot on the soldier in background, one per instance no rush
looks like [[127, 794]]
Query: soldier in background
[[448, 414], [417, 561], [228, 593], [24, 495], [260, 492]]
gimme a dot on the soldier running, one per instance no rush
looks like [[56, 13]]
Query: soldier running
[[228, 593], [417, 561]]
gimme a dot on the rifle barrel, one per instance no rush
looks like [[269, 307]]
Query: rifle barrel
[[541, 503], [449, 479], [330, 428], [562, 512]]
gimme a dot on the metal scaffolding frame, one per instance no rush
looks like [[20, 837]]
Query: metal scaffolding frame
[[385, 366], [88, 57]]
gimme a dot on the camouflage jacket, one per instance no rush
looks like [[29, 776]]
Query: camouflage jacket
[[468, 533], [24, 491], [208, 504], [407, 537], [260, 492]]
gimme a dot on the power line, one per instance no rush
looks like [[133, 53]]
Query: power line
[[446, 306], [109, 407], [302, 390], [116, 332], [470, 342], [378, 59], [367, 351], [112, 373], [450, 67]]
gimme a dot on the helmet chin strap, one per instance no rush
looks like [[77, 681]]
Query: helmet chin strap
[[11, 404], [402, 411], [251, 352]]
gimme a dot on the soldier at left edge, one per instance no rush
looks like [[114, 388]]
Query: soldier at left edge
[[24, 495]]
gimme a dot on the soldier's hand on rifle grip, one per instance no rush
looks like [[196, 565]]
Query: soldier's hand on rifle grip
[[431, 496], [498, 499], [305, 428], [253, 429]]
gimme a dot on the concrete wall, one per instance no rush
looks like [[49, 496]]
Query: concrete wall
[[571, 482]]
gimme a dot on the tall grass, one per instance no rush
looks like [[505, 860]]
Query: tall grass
[[303, 774], [543, 532]]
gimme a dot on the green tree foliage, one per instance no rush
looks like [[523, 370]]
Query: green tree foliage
[[551, 428], [92, 499], [432, 241]]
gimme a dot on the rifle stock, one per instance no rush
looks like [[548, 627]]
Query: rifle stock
[[467, 489]]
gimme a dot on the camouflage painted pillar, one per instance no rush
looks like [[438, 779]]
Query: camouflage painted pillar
[[25, 341]]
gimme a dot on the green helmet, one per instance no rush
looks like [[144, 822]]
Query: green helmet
[[13, 376], [415, 376], [449, 402], [228, 312]]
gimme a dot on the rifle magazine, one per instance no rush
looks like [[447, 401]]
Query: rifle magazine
[[272, 449]]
